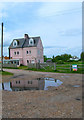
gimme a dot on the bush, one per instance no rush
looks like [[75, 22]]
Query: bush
[[21, 65], [60, 62]]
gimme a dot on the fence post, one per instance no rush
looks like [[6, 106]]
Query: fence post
[[54, 66], [70, 67]]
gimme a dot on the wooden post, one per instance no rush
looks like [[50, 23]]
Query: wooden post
[[2, 47]]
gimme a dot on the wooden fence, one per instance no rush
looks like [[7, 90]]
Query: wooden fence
[[54, 66]]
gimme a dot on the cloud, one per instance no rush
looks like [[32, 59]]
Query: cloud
[[49, 52], [58, 8], [3, 13], [71, 32], [52, 30], [45, 47], [4, 7]]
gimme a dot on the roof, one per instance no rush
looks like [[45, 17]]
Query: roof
[[5, 57], [25, 42], [49, 60]]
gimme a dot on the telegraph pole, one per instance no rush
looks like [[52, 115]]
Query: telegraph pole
[[1, 46]]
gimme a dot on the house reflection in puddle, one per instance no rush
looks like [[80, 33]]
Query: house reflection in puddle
[[20, 85], [38, 84]]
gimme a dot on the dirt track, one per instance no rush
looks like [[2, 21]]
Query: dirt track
[[63, 102]]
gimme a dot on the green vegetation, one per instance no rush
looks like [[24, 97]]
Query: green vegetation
[[61, 59], [60, 68], [23, 67], [5, 73], [63, 64], [57, 71], [20, 67], [82, 56]]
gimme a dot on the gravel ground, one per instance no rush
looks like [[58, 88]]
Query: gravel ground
[[64, 101]]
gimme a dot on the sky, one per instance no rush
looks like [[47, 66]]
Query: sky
[[59, 24]]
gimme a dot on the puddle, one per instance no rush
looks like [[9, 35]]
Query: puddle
[[39, 84], [76, 85], [55, 83]]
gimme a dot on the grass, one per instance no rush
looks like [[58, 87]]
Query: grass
[[21, 67], [58, 68], [5, 73], [74, 62], [57, 71]]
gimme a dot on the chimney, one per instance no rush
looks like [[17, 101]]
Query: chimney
[[26, 36]]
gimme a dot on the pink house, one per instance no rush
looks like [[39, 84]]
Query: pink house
[[26, 50]]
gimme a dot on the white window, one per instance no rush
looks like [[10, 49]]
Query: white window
[[27, 52], [38, 52], [30, 52], [31, 41], [15, 43], [17, 52], [32, 61], [14, 53]]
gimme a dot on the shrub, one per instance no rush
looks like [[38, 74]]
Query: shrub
[[21, 65], [60, 62]]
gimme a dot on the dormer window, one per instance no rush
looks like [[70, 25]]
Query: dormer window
[[31, 41], [15, 43], [34, 41]]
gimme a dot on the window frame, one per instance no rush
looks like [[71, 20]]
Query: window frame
[[17, 52], [27, 52], [14, 53]]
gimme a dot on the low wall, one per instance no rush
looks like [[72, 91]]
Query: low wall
[[31, 65], [34, 65], [9, 65], [39, 65]]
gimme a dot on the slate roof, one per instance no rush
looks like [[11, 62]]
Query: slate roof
[[25, 42]]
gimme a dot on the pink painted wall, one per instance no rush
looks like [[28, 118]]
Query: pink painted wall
[[20, 56], [35, 55], [40, 52], [30, 57]]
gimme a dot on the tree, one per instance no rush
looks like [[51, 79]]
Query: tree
[[45, 58], [82, 56], [53, 59], [65, 57]]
